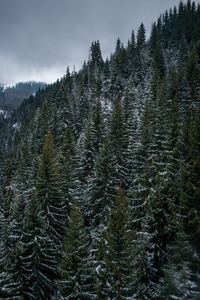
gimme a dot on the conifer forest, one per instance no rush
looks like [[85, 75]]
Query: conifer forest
[[100, 174]]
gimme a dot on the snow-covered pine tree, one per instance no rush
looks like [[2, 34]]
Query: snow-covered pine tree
[[119, 140], [97, 128], [75, 269], [87, 152], [37, 254], [114, 270], [179, 281], [49, 193], [9, 286], [67, 165], [104, 185], [61, 115], [42, 128], [190, 193], [193, 77]]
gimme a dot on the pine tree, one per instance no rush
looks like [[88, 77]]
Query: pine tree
[[84, 167], [115, 270], [131, 122], [104, 186], [61, 111], [36, 253], [75, 269], [193, 76], [9, 285], [119, 140], [67, 165], [96, 57], [97, 127], [140, 185], [158, 60], [119, 69], [141, 38], [180, 281], [190, 192], [49, 193], [131, 53], [43, 125]]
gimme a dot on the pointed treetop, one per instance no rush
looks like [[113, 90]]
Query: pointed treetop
[[118, 46], [141, 36], [48, 149]]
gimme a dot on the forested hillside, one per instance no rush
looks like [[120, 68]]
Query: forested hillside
[[100, 174], [11, 97]]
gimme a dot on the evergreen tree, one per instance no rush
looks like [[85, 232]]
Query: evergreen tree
[[115, 270], [96, 58], [49, 193], [119, 140], [75, 269], [131, 53], [158, 60], [190, 193], [140, 185], [141, 37], [43, 125], [97, 127], [67, 165], [9, 285], [179, 281], [193, 76], [36, 253], [105, 185]]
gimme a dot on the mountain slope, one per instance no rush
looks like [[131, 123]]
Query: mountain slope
[[125, 128]]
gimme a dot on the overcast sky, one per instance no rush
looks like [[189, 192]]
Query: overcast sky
[[40, 38]]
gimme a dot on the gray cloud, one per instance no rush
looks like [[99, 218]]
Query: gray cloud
[[40, 38]]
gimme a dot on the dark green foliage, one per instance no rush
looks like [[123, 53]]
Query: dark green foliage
[[180, 281], [141, 38], [49, 193], [75, 269], [114, 270], [131, 121], [193, 76], [9, 284], [158, 60], [119, 141], [67, 165], [105, 185], [96, 58], [36, 253]]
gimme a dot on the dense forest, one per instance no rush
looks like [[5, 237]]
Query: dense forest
[[12, 96], [100, 174]]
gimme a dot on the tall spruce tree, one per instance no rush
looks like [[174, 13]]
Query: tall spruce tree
[[75, 269], [141, 36], [49, 193], [9, 285], [115, 265], [193, 76], [67, 165], [105, 185], [37, 255], [119, 141]]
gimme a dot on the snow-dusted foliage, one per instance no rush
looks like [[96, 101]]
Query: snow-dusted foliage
[[112, 154]]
